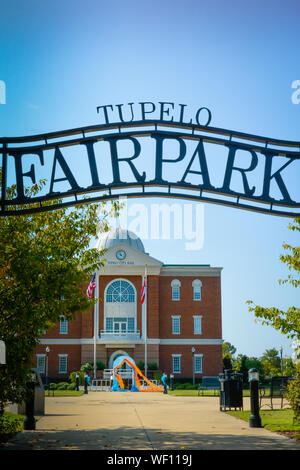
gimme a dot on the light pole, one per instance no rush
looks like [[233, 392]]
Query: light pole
[[193, 352], [172, 381], [254, 420], [47, 354], [281, 364]]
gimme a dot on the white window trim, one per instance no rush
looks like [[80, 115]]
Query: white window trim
[[197, 282], [174, 317], [198, 371], [176, 283], [198, 316], [59, 357], [107, 305], [38, 356], [64, 321], [174, 356]]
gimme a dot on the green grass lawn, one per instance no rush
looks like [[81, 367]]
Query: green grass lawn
[[63, 393], [273, 420], [206, 393]]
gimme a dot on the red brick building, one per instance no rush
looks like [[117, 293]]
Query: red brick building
[[179, 325]]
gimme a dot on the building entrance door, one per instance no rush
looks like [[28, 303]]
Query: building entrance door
[[120, 327]]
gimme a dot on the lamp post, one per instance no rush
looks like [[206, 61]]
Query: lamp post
[[254, 420], [47, 354], [193, 352], [172, 381]]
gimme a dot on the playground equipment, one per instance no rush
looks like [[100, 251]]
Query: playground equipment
[[137, 377]]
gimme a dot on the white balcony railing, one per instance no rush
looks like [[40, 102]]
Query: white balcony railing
[[109, 335], [124, 374]]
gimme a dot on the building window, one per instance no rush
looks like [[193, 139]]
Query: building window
[[175, 284], [40, 363], [62, 363], [176, 325], [197, 284], [197, 325], [109, 325], [120, 291], [130, 325], [120, 325], [176, 360], [63, 326], [198, 363]]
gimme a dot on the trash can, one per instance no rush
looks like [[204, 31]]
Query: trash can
[[231, 390], [39, 398]]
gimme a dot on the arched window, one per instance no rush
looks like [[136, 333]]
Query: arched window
[[197, 284], [120, 308], [175, 284], [120, 291]]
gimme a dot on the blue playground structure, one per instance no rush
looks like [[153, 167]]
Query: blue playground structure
[[118, 384]]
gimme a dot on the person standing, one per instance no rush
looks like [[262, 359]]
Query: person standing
[[164, 381]]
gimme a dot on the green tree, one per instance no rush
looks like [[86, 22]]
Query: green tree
[[228, 351], [255, 363], [228, 348], [271, 362], [287, 322], [227, 362], [241, 367], [288, 367], [45, 264]]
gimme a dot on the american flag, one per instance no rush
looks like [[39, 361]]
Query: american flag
[[91, 287], [143, 291]]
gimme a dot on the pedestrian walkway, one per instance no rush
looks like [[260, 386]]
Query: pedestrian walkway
[[143, 421]]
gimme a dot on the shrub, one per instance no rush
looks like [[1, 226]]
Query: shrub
[[86, 367], [71, 387], [10, 423], [72, 377], [53, 386], [100, 365], [189, 386], [152, 366], [179, 386], [62, 386], [294, 394], [141, 365]]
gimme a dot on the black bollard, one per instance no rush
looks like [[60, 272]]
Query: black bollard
[[29, 420], [254, 420]]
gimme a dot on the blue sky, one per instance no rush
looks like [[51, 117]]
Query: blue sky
[[62, 59]]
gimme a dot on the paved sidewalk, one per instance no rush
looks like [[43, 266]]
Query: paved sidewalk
[[143, 421]]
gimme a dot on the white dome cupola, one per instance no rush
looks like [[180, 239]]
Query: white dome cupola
[[119, 235]]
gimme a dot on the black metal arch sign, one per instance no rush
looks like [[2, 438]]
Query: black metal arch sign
[[150, 156]]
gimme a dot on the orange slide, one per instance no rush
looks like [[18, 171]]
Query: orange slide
[[136, 386]]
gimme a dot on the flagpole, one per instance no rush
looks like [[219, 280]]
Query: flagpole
[[96, 291], [145, 303]]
